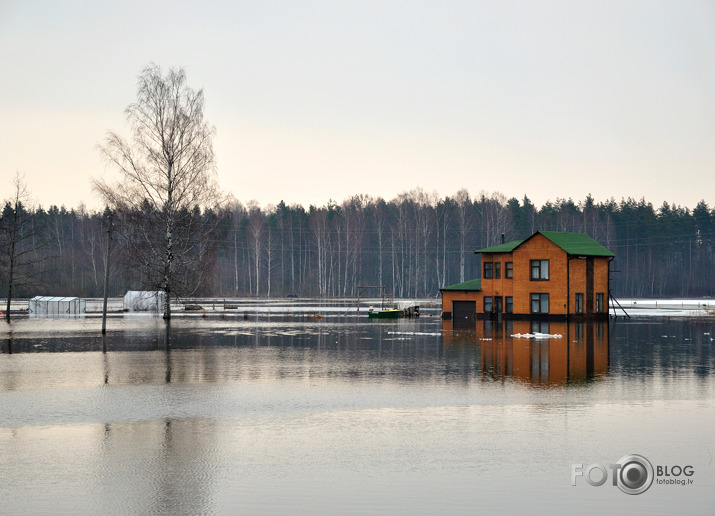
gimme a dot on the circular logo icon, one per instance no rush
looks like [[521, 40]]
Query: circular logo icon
[[635, 475]]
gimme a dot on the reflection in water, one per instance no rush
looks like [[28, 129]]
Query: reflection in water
[[344, 415], [176, 456], [167, 347], [575, 351], [421, 350]]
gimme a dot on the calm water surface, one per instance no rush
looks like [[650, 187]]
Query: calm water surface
[[337, 414]]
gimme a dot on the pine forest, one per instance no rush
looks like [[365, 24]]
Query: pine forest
[[413, 245]]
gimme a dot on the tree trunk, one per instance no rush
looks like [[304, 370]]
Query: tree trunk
[[167, 274], [10, 284]]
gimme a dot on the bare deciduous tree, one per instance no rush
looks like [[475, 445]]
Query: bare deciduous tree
[[256, 229], [463, 203], [21, 239], [167, 173]]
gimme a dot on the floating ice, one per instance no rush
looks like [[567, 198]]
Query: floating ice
[[537, 335], [413, 333], [692, 307]]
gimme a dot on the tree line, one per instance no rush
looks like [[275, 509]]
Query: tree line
[[167, 226], [412, 244]]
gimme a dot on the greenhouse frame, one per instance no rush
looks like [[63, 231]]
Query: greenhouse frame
[[53, 305]]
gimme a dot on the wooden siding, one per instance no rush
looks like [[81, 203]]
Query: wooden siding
[[539, 248], [562, 292], [449, 296]]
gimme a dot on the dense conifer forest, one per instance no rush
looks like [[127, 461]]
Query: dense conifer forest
[[413, 245]]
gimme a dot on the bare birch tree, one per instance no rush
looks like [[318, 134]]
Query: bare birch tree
[[238, 213], [320, 231], [463, 202], [380, 223], [167, 172], [255, 233]]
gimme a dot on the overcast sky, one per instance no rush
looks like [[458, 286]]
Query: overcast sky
[[320, 100]]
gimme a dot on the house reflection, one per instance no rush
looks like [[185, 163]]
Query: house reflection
[[575, 351]]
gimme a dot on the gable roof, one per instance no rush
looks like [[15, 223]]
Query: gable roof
[[502, 248], [578, 244], [475, 284]]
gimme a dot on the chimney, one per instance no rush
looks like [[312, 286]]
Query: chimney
[[502, 238]]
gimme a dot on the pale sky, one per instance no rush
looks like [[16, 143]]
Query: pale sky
[[318, 100]]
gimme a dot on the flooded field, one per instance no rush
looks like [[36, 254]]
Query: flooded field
[[311, 408]]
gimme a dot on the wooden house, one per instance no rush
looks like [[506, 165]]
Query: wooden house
[[550, 275]]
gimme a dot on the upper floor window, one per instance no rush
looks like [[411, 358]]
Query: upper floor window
[[539, 270], [488, 270], [497, 270], [508, 270]]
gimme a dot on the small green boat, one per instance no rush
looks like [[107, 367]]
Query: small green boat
[[392, 313]]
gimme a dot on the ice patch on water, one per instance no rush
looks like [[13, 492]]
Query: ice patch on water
[[537, 335], [431, 334], [691, 307]]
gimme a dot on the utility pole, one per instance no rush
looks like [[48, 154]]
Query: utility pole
[[106, 271]]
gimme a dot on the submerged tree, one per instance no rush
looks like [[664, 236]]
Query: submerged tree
[[21, 241], [167, 178]]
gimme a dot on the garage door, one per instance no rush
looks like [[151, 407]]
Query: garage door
[[463, 313]]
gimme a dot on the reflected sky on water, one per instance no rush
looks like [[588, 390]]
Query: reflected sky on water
[[334, 413]]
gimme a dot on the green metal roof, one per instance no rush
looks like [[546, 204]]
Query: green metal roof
[[579, 244], [475, 284], [501, 248]]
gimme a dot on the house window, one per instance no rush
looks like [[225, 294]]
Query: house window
[[488, 304], [579, 303], [509, 304], [508, 270], [497, 270], [599, 302], [539, 270], [539, 303], [488, 270]]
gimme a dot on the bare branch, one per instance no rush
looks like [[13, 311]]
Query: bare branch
[[167, 172]]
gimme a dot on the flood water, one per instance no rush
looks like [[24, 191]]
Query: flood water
[[323, 411]]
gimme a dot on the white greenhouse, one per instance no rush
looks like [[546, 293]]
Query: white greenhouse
[[144, 301], [51, 305]]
